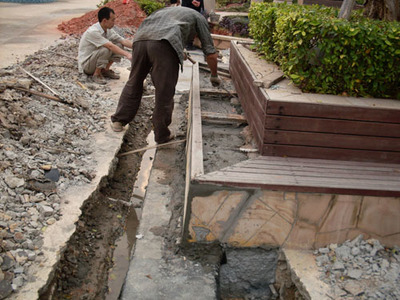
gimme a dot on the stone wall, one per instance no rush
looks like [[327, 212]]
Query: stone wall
[[252, 218]]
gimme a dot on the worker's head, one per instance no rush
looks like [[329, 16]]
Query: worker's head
[[106, 17]]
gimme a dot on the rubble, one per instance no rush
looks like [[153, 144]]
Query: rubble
[[45, 147], [360, 268]]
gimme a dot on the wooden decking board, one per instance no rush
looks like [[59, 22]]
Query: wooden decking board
[[325, 99], [315, 172], [332, 140], [330, 153], [306, 161], [298, 180], [382, 115], [258, 165], [310, 175], [196, 130], [332, 126]]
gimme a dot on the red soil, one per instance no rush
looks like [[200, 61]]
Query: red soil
[[128, 15]]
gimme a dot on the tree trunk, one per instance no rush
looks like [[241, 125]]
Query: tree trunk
[[388, 10], [345, 9]]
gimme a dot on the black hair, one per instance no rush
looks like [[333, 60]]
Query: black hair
[[104, 13], [173, 1]]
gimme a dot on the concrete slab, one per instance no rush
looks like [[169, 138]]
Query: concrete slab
[[26, 28], [305, 275], [150, 276]]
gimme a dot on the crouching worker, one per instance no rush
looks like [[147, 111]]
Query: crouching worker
[[100, 46], [158, 49]]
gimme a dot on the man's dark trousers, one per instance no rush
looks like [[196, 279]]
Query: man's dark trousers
[[159, 58]]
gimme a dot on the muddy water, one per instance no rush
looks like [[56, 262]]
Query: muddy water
[[121, 256], [124, 245]]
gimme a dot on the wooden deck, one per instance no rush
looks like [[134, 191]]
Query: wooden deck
[[310, 175]]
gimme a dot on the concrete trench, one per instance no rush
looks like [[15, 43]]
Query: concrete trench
[[119, 221], [93, 263], [240, 273], [226, 263]]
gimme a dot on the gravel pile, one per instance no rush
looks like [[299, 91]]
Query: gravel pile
[[45, 147], [360, 269]]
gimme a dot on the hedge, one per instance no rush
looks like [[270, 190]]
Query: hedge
[[324, 54]]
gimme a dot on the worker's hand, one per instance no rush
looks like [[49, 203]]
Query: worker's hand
[[185, 55], [196, 3], [215, 81]]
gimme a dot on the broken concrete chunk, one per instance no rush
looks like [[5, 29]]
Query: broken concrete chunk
[[343, 252], [354, 288], [355, 273], [45, 210], [14, 182], [24, 83]]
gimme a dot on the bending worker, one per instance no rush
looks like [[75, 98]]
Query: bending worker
[[100, 46], [158, 48]]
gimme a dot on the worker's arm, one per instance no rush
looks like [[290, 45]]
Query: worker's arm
[[117, 50], [127, 43], [212, 61]]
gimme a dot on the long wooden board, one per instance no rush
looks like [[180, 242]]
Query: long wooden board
[[332, 140], [383, 115], [332, 126], [330, 153]]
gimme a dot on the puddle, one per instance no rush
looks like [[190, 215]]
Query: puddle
[[121, 256], [124, 245]]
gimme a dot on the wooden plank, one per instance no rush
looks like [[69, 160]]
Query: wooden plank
[[205, 65], [251, 106], [304, 180], [330, 153], [268, 161], [301, 189], [282, 183], [243, 83], [249, 98], [319, 173], [225, 118], [213, 91], [332, 126], [196, 138], [282, 137], [276, 107], [326, 99], [270, 79], [259, 166]]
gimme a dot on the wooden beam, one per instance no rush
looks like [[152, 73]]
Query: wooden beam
[[222, 118], [217, 92]]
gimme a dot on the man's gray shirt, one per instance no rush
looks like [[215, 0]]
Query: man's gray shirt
[[177, 25]]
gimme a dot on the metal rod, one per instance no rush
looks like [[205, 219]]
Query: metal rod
[[45, 85]]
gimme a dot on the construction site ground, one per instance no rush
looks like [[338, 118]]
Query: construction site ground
[[97, 218], [108, 205]]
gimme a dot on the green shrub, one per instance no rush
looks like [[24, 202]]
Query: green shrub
[[150, 6], [324, 54], [102, 3]]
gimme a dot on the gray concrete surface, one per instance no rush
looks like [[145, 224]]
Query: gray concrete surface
[[150, 276], [25, 28]]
